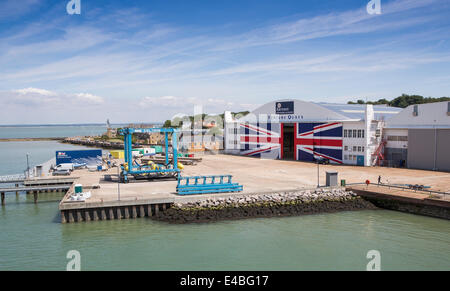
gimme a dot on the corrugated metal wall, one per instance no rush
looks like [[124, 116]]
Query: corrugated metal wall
[[422, 149]]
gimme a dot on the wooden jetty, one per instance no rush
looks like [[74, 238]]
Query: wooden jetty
[[38, 185]]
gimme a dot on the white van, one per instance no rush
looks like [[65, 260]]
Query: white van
[[64, 166]]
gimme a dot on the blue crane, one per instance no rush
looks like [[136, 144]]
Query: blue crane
[[132, 168]]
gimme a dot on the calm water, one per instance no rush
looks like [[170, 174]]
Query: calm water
[[50, 131], [31, 237]]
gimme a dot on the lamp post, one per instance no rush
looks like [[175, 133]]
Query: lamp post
[[318, 183], [28, 168], [118, 183]]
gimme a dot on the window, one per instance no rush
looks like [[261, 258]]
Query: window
[[359, 149], [345, 148], [354, 133], [363, 133], [403, 138], [345, 133], [345, 157], [359, 133], [354, 148], [416, 110], [392, 138], [362, 149]]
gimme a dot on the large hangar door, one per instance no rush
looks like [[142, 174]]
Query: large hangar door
[[443, 152], [421, 149]]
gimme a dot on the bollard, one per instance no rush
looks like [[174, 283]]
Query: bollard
[[149, 210], [3, 198]]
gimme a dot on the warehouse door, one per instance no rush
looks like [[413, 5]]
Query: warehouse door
[[288, 141]]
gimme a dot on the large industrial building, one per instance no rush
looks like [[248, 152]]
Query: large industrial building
[[419, 137], [306, 131]]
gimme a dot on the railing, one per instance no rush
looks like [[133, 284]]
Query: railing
[[404, 188], [207, 184], [12, 178]]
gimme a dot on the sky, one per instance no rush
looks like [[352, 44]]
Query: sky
[[146, 61]]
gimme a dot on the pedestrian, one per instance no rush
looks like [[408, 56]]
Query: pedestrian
[[379, 179]]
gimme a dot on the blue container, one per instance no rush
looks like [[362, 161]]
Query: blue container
[[99, 167], [79, 157]]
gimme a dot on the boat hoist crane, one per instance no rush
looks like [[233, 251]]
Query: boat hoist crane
[[133, 168]]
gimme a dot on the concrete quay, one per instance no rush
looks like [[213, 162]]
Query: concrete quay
[[111, 200]]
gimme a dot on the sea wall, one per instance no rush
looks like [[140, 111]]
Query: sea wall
[[265, 205]]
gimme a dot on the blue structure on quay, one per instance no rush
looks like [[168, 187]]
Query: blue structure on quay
[[131, 167]]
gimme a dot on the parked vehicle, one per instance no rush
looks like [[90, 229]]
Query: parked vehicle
[[64, 166], [63, 172]]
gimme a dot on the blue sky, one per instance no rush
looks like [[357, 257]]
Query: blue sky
[[142, 61]]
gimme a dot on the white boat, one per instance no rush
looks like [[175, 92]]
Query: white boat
[[80, 197]]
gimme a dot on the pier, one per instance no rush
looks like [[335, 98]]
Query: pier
[[112, 200], [429, 203], [36, 186]]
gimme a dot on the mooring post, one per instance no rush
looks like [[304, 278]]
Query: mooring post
[[35, 196], [3, 198], [17, 192], [63, 217]]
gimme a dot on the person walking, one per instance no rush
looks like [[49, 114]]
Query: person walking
[[379, 179]]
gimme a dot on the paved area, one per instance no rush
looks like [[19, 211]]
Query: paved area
[[257, 176]]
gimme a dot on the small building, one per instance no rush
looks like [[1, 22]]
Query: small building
[[306, 131], [419, 137], [198, 140]]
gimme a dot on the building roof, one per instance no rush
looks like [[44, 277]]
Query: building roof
[[429, 115], [322, 112], [357, 111]]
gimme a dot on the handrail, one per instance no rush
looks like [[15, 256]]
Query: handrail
[[403, 188]]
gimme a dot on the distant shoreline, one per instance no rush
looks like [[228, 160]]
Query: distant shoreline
[[32, 139]]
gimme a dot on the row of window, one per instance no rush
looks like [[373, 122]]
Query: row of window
[[354, 133], [350, 157], [397, 138], [355, 148]]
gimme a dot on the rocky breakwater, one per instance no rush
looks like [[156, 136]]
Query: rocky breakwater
[[265, 205]]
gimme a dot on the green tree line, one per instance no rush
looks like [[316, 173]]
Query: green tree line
[[403, 101]]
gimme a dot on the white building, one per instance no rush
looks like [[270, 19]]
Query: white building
[[305, 131], [419, 137]]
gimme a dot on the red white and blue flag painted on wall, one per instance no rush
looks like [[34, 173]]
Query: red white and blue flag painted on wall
[[311, 140], [319, 140], [261, 140]]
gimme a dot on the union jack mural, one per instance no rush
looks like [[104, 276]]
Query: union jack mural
[[319, 140], [261, 140]]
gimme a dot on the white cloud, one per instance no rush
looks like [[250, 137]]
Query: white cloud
[[42, 97], [89, 98]]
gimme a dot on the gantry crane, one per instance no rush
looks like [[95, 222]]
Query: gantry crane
[[131, 167]]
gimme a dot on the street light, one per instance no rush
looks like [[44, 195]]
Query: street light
[[318, 183], [28, 167]]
